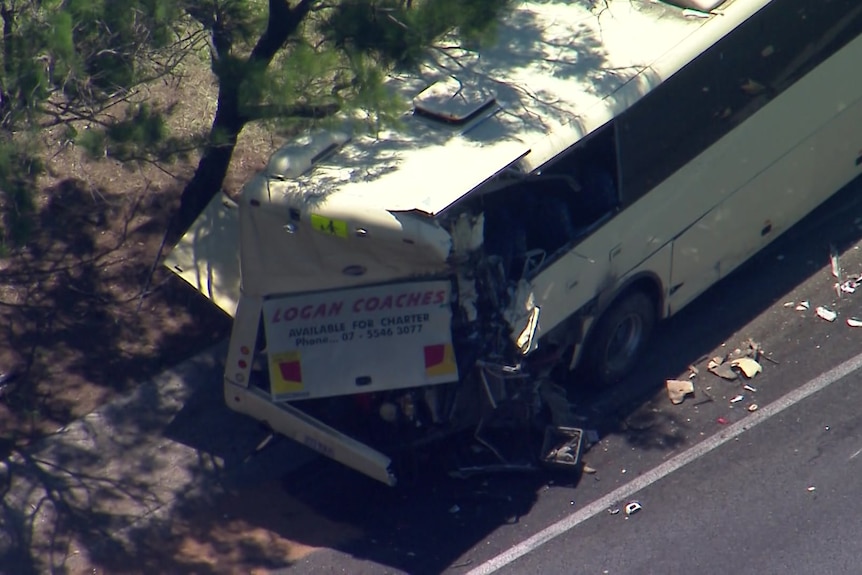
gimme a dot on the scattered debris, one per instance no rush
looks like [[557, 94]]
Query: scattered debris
[[633, 507], [741, 360], [722, 421], [752, 407], [737, 399], [719, 367], [614, 510], [562, 446], [749, 367], [826, 313], [677, 389], [789, 303], [750, 388], [811, 488], [834, 261], [803, 306], [589, 470], [854, 322], [454, 509]]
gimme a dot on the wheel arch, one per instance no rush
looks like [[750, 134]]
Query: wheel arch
[[647, 282]]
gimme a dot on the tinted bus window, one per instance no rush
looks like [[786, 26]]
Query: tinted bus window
[[726, 84]]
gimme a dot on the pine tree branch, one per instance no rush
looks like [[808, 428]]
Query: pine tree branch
[[272, 111]]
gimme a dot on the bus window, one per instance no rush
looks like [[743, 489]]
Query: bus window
[[726, 84], [559, 205]]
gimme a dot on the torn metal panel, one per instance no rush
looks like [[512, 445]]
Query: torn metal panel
[[310, 432], [207, 256], [522, 315]]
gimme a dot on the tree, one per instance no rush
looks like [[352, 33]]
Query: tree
[[67, 61], [309, 60], [287, 62]]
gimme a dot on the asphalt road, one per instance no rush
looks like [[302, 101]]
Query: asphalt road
[[719, 494]]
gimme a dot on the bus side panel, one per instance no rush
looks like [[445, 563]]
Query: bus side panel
[[797, 184], [782, 194]]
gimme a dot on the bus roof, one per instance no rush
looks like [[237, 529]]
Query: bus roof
[[558, 70]]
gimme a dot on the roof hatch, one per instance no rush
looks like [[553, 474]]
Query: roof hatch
[[451, 101]]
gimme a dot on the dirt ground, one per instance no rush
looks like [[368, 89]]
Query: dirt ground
[[86, 309]]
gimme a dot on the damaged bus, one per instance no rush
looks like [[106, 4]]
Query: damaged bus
[[543, 204]]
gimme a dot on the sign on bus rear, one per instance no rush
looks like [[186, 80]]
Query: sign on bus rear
[[360, 340]]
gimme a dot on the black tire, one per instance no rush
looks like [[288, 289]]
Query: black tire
[[619, 339]]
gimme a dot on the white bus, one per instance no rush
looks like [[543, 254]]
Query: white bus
[[544, 203]]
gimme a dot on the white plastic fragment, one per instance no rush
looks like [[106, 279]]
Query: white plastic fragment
[[811, 488], [854, 322], [826, 313], [789, 303], [749, 388], [803, 306], [737, 399]]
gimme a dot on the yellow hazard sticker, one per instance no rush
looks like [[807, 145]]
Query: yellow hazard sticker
[[285, 371], [329, 225]]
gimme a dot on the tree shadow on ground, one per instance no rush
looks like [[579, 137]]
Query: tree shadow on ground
[[87, 312]]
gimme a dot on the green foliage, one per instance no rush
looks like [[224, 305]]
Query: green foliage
[[64, 61], [400, 32], [19, 167]]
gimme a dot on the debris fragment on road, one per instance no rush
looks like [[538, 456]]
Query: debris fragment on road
[[722, 369], [803, 306], [562, 446], [811, 488], [748, 366], [677, 389], [737, 399], [750, 388], [835, 262], [741, 360], [722, 421], [826, 313]]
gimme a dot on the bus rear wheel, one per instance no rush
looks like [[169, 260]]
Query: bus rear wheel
[[620, 338]]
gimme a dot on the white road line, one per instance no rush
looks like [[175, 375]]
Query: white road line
[[668, 467]]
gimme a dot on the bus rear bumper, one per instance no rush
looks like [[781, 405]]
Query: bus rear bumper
[[308, 431]]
